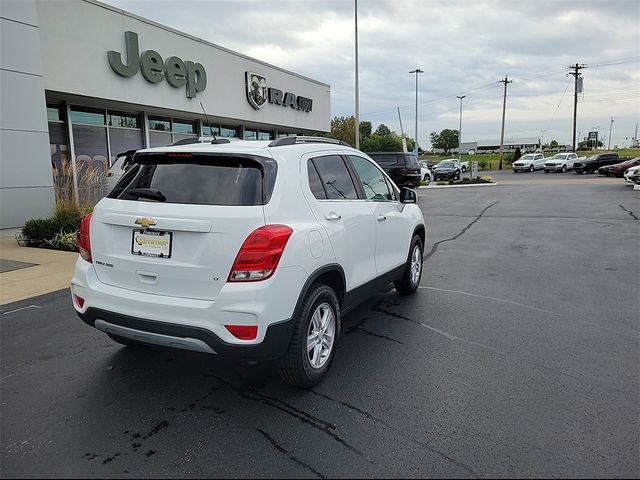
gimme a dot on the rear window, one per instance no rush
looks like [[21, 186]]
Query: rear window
[[389, 159], [199, 179]]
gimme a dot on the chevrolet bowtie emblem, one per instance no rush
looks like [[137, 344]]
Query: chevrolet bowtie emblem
[[145, 222]]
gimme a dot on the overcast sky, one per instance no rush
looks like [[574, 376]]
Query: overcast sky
[[464, 47]]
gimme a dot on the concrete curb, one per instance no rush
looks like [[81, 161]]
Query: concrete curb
[[636, 187], [462, 186]]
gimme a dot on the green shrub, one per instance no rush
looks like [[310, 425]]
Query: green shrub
[[487, 179], [64, 241], [482, 164], [53, 230]]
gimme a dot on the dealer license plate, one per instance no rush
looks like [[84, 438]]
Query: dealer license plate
[[151, 243]]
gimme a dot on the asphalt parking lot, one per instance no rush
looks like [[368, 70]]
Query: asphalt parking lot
[[519, 356]]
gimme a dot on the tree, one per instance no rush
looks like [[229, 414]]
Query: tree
[[446, 139], [517, 155], [553, 145], [383, 130], [365, 130], [588, 145]]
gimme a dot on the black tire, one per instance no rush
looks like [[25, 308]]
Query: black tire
[[457, 175], [294, 367], [531, 169], [564, 169], [426, 179], [124, 341], [406, 285]]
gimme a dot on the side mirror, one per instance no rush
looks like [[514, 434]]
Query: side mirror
[[408, 195]]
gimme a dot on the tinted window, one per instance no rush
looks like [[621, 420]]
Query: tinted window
[[387, 159], [201, 179], [315, 184], [410, 161], [335, 177], [373, 181]]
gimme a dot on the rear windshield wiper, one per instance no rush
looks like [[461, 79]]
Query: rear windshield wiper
[[148, 193]]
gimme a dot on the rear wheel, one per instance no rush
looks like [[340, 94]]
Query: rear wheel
[[426, 179], [314, 339], [410, 280]]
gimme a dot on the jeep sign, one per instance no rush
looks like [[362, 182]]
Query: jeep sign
[[177, 72]]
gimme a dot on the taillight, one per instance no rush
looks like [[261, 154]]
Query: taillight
[[79, 301], [243, 332], [84, 242], [260, 254]]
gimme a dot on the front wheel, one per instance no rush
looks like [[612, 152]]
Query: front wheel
[[564, 169], [427, 179], [531, 169], [410, 280], [314, 340]]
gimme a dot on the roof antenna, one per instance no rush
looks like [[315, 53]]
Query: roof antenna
[[208, 122]]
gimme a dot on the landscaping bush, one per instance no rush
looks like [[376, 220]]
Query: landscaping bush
[[54, 231]]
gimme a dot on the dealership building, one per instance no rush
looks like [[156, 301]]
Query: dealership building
[[81, 82]]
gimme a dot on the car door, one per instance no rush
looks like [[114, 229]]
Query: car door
[[347, 218], [392, 227], [539, 162]]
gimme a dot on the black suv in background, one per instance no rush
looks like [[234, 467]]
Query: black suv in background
[[403, 168], [594, 162]]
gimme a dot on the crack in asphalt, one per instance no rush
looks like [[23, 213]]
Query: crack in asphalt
[[532, 364], [301, 415], [435, 246], [380, 421], [293, 458], [629, 212], [358, 328]]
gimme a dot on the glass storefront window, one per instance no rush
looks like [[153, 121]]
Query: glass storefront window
[[228, 131], [53, 113], [90, 143], [160, 139], [250, 134], [88, 116], [127, 120], [158, 123], [264, 135], [213, 130], [123, 139], [183, 126]]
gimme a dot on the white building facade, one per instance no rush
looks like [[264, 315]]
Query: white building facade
[[82, 81]]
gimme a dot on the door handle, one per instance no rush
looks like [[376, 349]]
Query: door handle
[[381, 218], [333, 216]]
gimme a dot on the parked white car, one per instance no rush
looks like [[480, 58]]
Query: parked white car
[[425, 172], [213, 248], [560, 162], [631, 174], [529, 163]]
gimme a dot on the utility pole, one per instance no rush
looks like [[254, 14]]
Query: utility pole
[[506, 82], [635, 137], [460, 134], [415, 146], [576, 73], [610, 127], [357, 85]]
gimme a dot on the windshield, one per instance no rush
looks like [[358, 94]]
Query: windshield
[[528, 157], [447, 164], [561, 156]]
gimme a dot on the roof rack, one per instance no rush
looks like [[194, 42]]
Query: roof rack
[[293, 140]]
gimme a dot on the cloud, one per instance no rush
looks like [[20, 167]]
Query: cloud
[[463, 47]]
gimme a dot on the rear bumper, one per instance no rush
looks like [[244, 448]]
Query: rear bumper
[[409, 180], [274, 344], [194, 324]]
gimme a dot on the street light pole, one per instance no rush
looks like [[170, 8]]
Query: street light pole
[[415, 146], [610, 127], [357, 84], [460, 133]]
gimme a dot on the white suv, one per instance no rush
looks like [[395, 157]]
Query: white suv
[[248, 249], [560, 162]]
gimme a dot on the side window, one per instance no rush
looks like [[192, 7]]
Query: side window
[[315, 184], [335, 178], [373, 181]]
